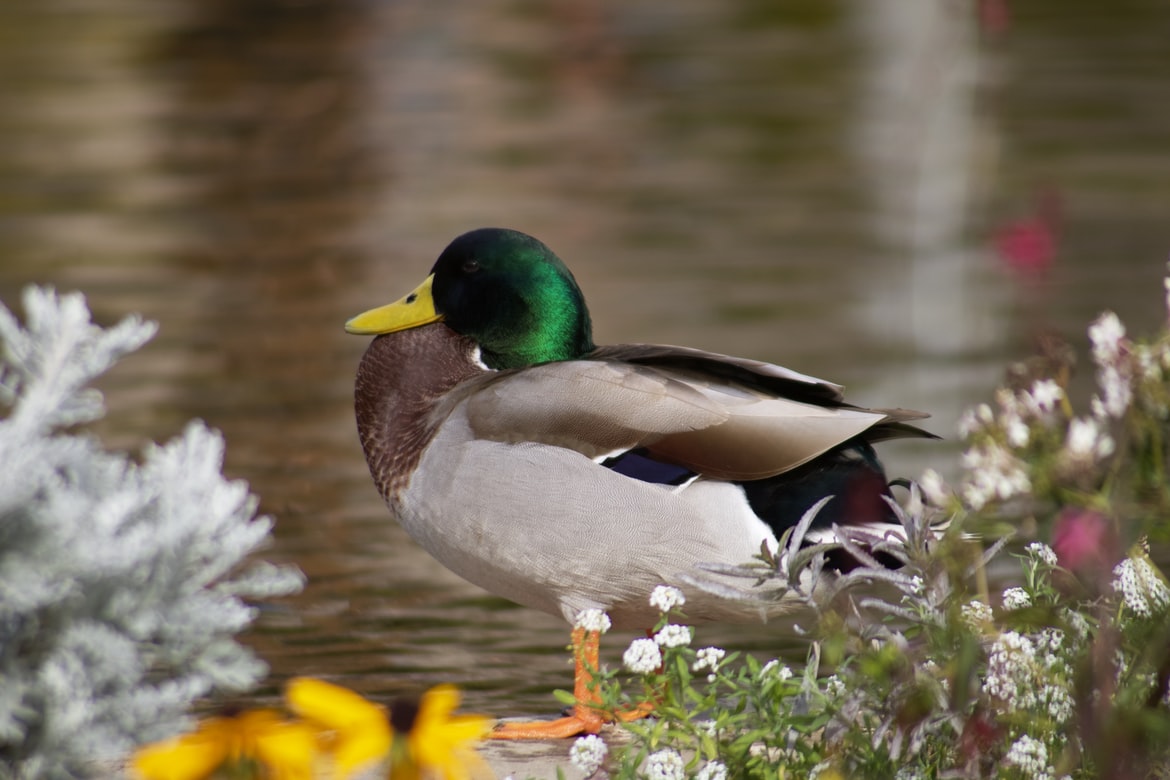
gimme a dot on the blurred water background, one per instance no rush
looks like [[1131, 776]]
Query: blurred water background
[[900, 196]]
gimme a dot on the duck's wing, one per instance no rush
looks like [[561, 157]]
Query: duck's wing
[[768, 377], [717, 369], [696, 419]]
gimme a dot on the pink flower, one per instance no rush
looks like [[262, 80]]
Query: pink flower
[[1028, 245], [1085, 542]]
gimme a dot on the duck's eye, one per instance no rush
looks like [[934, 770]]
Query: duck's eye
[[470, 266]]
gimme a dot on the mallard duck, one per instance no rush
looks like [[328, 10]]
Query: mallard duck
[[570, 477]]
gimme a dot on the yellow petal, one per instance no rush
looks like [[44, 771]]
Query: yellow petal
[[288, 750], [330, 705], [441, 743], [436, 704], [189, 757], [360, 748], [361, 733]]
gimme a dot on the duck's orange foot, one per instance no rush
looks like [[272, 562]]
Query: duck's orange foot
[[586, 722], [582, 721], [637, 712]]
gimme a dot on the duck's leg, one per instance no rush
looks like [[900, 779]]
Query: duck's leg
[[586, 718]]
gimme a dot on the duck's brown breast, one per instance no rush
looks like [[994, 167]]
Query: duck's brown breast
[[401, 379]]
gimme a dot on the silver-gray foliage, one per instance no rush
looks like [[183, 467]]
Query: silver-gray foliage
[[122, 582]]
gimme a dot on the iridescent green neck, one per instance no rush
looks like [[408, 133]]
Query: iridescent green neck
[[541, 318], [514, 297]]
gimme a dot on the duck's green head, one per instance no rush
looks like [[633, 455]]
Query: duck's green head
[[502, 288]]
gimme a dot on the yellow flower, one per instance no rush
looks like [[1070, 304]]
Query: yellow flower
[[439, 745], [278, 749], [356, 730]]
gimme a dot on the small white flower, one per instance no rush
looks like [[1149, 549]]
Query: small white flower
[[1031, 756], [782, 671], [712, 770], [1042, 553], [664, 764], [588, 753], [592, 620], [976, 614], [1044, 396], [664, 598], [673, 635], [967, 424], [834, 687], [916, 587], [1048, 644], [1017, 432], [1115, 386], [1016, 598], [708, 727], [934, 488], [1086, 441], [1059, 703], [642, 656], [1106, 334], [1114, 372], [708, 658], [1078, 623]]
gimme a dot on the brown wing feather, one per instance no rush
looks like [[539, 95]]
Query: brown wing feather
[[697, 419]]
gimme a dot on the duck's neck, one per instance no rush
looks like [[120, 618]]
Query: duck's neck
[[400, 379]]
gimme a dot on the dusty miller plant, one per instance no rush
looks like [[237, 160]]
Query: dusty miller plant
[[122, 581]]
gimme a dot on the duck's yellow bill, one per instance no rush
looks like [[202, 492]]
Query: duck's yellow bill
[[417, 308]]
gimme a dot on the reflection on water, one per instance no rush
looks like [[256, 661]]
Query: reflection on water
[[812, 185]]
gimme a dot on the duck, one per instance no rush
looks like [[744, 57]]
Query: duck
[[573, 478]]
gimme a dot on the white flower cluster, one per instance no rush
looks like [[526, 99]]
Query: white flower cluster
[[642, 656], [835, 687], [974, 420], [706, 726], [1043, 398], [664, 598], [588, 753], [1027, 674], [1114, 372], [708, 658], [664, 764], [1087, 443], [1078, 623], [673, 635], [1042, 553], [774, 667], [1017, 412], [1049, 644], [1141, 586], [712, 770], [1016, 598], [977, 614], [593, 620], [934, 488], [1031, 757], [993, 473]]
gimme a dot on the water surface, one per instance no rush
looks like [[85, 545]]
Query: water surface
[[817, 186]]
